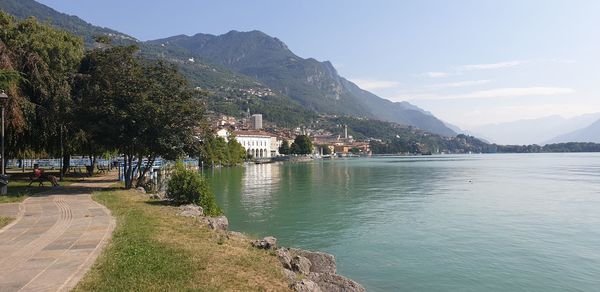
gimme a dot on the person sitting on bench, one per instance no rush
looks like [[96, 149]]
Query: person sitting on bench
[[38, 175]]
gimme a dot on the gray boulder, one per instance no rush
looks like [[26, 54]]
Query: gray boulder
[[290, 276], [301, 265], [335, 283], [217, 223], [268, 242], [190, 210], [321, 262], [285, 258], [305, 286]]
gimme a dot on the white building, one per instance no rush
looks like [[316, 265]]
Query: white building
[[257, 143]]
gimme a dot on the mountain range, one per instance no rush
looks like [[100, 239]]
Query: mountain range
[[538, 131], [590, 133], [252, 61]]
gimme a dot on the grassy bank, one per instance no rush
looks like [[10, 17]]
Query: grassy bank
[[19, 190], [5, 220], [153, 249]]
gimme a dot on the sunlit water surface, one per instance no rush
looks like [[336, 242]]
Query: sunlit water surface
[[440, 223]]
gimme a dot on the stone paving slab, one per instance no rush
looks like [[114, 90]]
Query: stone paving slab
[[55, 239]]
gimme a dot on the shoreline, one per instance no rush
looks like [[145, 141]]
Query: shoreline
[[304, 270]]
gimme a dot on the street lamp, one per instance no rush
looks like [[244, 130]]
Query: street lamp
[[3, 176]]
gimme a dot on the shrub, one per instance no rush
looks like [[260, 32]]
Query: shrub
[[188, 186]]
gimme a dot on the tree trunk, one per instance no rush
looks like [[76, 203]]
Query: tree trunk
[[128, 171], [93, 161], [142, 174], [66, 163]]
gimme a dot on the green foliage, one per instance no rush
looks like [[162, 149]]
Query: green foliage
[[236, 152], [29, 8], [302, 145], [284, 149], [8, 78], [216, 151], [187, 186], [37, 63], [142, 109], [326, 150]]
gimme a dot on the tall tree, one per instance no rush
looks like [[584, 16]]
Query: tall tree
[[284, 149], [40, 105], [302, 145], [143, 110]]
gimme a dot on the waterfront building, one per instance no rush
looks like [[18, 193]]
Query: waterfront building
[[257, 143]]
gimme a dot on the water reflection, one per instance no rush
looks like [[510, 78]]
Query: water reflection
[[259, 183]]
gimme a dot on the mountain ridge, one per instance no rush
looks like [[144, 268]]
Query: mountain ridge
[[257, 59], [590, 133], [314, 84], [534, 131]]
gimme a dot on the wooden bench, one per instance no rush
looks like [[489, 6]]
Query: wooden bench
[[40, 180], [103, 169]]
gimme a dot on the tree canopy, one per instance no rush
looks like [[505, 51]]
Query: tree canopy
[[302, 145], [142, 109]]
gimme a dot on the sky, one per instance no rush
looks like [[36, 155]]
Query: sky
[[469, 63]]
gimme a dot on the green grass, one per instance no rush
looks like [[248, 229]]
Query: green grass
[[18, 190], [5, 220], [152, 249]]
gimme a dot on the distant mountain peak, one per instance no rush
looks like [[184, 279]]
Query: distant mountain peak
[[314, 84], [27, 8]]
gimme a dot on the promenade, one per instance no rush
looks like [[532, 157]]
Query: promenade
[[54, 239]]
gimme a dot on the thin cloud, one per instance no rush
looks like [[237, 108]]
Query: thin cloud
[[459, 84], [370, 84], [491, 66], [474, 67], [502, 93], [436, 74]]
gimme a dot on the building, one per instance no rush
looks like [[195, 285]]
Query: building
[[256, 122], [257, 143]]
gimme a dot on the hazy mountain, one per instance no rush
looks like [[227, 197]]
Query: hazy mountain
[[590, 133], [316, 85], [534, 131]]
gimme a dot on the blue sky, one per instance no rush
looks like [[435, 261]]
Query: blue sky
[[468, 62]]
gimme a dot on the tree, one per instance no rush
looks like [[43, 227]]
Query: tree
[[142, 109], [37, 63], [284, 149], [236, 152], [326, 150], [302, 145]]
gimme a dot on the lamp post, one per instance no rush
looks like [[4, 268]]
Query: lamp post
[[3, 176]]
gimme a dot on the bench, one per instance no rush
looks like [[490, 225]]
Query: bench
[[103, 169], [40, 180]]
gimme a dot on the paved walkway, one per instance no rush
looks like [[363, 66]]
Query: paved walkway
[[55, 238]]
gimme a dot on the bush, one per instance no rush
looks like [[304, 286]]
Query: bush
[[187, 186]]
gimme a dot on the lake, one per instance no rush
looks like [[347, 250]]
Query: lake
[[495, 222]]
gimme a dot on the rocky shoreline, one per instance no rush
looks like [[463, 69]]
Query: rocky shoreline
[[305, 270]]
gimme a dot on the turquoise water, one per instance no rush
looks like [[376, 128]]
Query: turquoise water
[[440, 223]]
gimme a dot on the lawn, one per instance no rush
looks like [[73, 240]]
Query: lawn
[[18, 190], [5, 220], [152, 249]]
